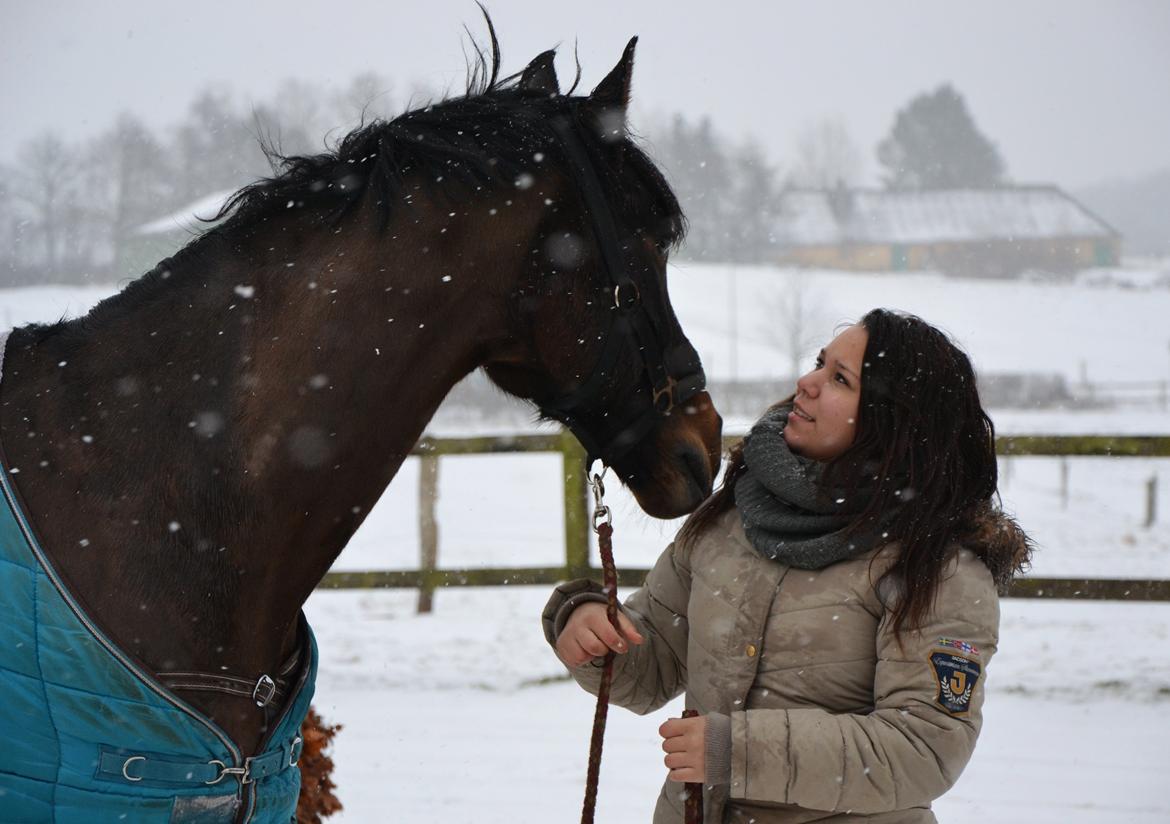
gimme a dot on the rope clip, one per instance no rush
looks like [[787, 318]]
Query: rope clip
[[601, 513]]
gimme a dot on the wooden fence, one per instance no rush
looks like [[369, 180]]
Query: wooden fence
[[577, 522]]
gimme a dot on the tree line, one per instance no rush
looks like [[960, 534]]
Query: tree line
[[67, 209]]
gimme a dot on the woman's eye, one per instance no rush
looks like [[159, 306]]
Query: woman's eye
[[841, 378]]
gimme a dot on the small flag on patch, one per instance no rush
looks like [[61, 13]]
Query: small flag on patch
[[962, 646]]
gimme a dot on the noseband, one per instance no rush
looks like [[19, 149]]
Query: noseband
[[629, 317]]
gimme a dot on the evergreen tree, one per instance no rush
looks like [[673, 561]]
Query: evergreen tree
[[935, 144]]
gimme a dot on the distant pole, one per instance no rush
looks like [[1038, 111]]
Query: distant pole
[[1064, 483], [1151, 501], [733, 321], [1164, 398]]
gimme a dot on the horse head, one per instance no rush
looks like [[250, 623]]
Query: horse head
[[602, 350]]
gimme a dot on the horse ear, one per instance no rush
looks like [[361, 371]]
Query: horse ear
[[541, 75], [614, 90]]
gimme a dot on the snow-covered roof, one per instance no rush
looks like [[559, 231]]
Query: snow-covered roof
[[187, 218], [808, 217]]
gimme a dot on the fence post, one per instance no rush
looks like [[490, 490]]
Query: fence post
[[428, 529], [576, 507], [1151, 500], [1064, 483]]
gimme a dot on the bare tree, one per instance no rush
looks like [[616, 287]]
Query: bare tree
[[367, 97], [132, 180], [10, 246], [215, 147], [798, 319], [44, 181], [296, 119], [755, 208], [826, 156]]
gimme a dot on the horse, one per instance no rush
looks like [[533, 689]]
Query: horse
[[193, 454]]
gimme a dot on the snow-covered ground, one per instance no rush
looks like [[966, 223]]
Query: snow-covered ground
[[464, 715]]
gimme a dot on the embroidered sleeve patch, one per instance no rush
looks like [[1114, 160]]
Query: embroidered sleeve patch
[[956, 677]]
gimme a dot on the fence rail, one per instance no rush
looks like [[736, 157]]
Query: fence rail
[[1093, 589], [576, 511]]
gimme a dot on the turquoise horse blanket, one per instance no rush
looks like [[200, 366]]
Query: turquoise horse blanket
[[88, 736]]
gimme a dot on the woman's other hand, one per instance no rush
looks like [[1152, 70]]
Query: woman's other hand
[[684, 740], [588, 634]]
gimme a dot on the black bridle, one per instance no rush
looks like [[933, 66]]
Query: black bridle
[[629, 317]]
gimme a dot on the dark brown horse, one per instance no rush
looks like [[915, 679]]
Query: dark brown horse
[[197, 450]]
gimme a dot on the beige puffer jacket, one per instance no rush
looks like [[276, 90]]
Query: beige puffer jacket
[[831, 719]]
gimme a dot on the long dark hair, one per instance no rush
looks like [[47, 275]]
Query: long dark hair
[[925, 450]]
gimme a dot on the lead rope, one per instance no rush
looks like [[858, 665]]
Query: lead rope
[[694, 790], [603, 526]]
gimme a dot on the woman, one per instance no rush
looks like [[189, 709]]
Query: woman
[[831, 610]]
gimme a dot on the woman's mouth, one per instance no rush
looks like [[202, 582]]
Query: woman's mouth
[[800, 413]]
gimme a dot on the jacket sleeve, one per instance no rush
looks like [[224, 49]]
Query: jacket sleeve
[[654, 672], [928, 699]]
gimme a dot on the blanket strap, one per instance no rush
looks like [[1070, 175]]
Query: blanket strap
[[126, 767], [265, 690]]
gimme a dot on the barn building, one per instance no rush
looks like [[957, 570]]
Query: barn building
[[967, 232], [162, 237]]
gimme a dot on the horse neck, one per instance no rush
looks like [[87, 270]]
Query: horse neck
[[241, 418]]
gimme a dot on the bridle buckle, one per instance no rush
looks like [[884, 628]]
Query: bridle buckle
[[264, 691], [667, 392], [627, 287]]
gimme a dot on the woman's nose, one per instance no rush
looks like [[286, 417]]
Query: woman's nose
[[806, 385]]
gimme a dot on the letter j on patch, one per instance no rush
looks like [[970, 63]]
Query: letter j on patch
[[956, 677]]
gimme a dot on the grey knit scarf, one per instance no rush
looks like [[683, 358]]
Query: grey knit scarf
[[785, 513]]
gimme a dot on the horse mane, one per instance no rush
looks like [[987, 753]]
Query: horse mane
[[482, 140]]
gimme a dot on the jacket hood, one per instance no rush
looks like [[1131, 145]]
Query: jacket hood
[[1000, 542]]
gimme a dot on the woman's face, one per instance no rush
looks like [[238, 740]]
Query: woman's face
[[823, 421]]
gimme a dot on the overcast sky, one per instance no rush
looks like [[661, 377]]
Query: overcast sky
[[1071, 91]]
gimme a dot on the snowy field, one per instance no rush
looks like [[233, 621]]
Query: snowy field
[[1104, 325], [464, 715]]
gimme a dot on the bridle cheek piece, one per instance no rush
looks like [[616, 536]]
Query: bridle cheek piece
[[630, 318]]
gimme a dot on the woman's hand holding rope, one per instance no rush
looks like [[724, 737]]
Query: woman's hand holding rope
[[588, 635], [684, 740]]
